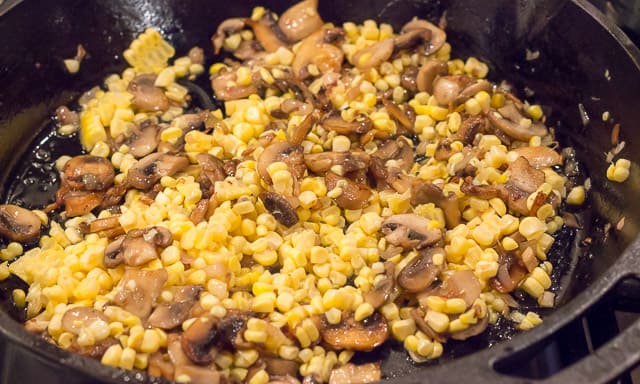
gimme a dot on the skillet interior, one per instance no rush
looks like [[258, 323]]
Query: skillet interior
[[575, 51]]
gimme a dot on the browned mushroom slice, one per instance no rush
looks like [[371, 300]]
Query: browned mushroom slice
[[485, 192], [281, 151], [138, 247], [78, 203], [281, 367], [421, 271], [418, 317], [443, 150], [334, 122], [144, 141], [472, 89], [300, 132], [138, 290], [410, 231], [18, 224], [356, 374], [428, 72], [225, 87], [65, 116], [280, 208], [406, 117], [539, 157], [453, 90], [146, 96], [400, 150], [412, 38], [226, 28], [300, 20], [150, 169], [511, 271], [212, 167], [422, 193], [511, 121], [318, 49], [267, 32], [350, 161], [525, 177], [382, 290], [88, 173], [438, 36], [354, 195], [76, 318], [355, 335], [373, 55], [198, 339], [462, 284], [108, 227], [469, 127], [473, 330]]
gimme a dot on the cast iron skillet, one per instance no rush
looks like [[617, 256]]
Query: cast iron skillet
[[583, 59]]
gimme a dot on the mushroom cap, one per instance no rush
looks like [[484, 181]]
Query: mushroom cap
[[280, 208], [420, 272], [358, 336], [88, 173], [300, 20], [146, 96], [410, 231], [18, 224]]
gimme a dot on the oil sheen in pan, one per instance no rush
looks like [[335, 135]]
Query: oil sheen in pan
[[35, 182]]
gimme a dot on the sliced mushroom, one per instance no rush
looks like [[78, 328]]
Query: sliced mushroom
[[525, 177], [469, 127], [280, 208], [88, 173], [300, 131], [472, 330], [422, 193], [144, 141], [138, 290], [354, 195], [225, 87], [137, 248], [437, 38], [356, 374], [267, 32], [355, 335], [511, 121], [281, 151], [410, 231], [146, 96], [511, 271], [418, 317], [18, 224], [463, 284], [78, 203], [453, 90], [322, 162], [225, 29], [382, 290], [399, 150], [76, 318], [410, 39], [539, 157], [150, 169], [406, 116], [373, 55], [334, 122], [65, 116], [300, 20], [198, 339], [318, 49], [428, 72], [213, 169], [160, 366], [281, 367], [421, 271]]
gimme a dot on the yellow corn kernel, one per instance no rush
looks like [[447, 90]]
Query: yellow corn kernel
[[472, 106], [112, 356], [264, 302], [576, 196], [401, 329], [411, 343], [245, 358], [531, 228], [457, 325], [542, 277], [437, 320], [454, 306], [535, 112], [532, 287], [363, 311]]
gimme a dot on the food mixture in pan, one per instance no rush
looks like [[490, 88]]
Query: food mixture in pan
[[359, 187]]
